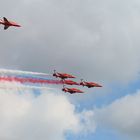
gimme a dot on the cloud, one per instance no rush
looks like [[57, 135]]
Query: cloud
[[95, 40], [88, 123], [123, 115], [26, 116], [46, 116], [92, 39]]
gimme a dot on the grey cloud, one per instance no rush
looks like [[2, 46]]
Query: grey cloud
[[97, 40]]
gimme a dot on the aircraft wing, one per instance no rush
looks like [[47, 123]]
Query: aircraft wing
[[6, 27]]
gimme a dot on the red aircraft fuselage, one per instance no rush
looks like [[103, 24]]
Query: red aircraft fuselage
[[70, 82], [62, 75], [8, 23], [90, 84], [72, 90]]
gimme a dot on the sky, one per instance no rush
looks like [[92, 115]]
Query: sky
[[95, 40]]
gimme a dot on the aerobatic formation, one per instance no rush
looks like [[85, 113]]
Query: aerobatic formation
[[35, 79], [64, 76], [41, 80]]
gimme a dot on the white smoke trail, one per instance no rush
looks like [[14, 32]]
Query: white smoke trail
[[6, 71], [14, 85], [19, 87]]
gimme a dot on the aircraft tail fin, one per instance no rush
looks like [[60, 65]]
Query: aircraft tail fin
[[5, 19]]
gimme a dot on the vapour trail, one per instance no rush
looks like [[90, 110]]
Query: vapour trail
[[6, 71], [21, 87], [25, 76], [41, 77], [35, 79], [29, 80]]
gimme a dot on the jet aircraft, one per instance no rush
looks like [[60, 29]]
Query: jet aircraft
[[89, 84], [70, 82], [62, 75], [71, 90], [8, 23]]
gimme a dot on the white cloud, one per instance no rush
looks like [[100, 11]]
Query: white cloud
[[123, 115], [47, 116], [88, 121], [51, 115]]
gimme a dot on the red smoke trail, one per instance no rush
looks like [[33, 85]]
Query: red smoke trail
[[30, 80]]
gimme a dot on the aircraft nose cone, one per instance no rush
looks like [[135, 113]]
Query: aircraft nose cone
[[18, 25], [99, 86]]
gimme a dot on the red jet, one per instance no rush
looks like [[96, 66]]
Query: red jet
[[70, 82], [72, 90], [62, 75], [8, 23], [89, 84]]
